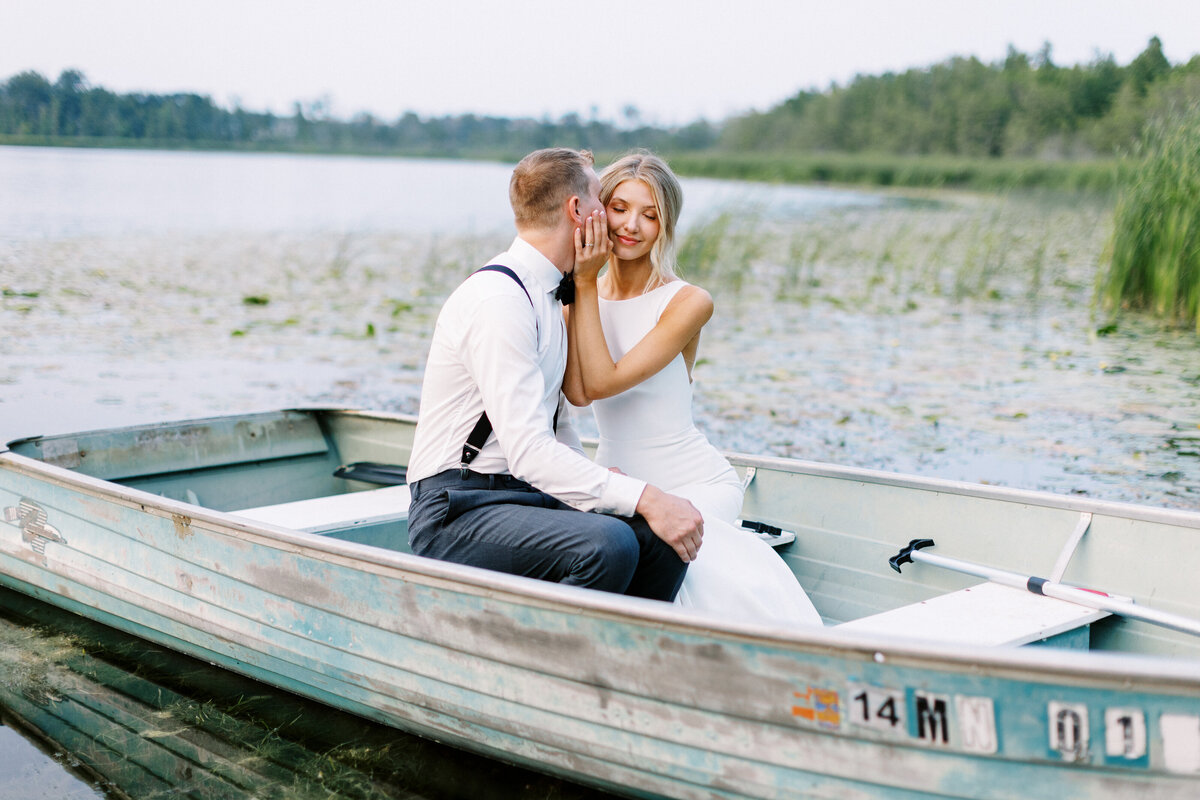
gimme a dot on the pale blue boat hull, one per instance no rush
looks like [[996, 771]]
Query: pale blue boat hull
[[632, 696]]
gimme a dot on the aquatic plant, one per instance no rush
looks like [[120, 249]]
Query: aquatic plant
[[344, 255], [894, 260], [1154, 250], [723, 251], [797, 277], [700, 251], [990, 243]]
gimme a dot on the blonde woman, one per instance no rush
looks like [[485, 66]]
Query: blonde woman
[[633, 336]]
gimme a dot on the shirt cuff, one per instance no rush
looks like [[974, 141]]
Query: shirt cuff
[[622, 494]]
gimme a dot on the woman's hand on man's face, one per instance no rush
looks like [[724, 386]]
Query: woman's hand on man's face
[[592, 246]]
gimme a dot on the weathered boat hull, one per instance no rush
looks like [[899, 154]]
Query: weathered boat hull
[[628, 695]]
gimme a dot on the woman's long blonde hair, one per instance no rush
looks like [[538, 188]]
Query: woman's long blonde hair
[[668, 198]]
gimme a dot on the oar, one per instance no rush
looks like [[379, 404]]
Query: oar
[[1061, 591]]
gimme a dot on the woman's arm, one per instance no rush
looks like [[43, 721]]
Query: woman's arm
[[573, 378], [590, 260], [680, 324]]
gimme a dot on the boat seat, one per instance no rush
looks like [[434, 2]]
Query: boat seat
[[987, 615], [771, 534], [336, 511]]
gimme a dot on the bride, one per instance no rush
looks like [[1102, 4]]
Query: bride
[[633, 336]]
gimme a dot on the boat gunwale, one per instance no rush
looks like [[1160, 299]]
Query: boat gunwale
[[795, 466], [1102, 668], [900, 480], [1033, 497]]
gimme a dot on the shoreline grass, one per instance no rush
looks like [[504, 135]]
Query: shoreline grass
[[937, 172], [300, 149], [866, 169]]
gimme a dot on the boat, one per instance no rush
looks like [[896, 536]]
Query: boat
[[274, 545]]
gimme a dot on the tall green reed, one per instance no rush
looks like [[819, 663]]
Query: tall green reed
[[1154, 249], [723, 249], [699, 251]]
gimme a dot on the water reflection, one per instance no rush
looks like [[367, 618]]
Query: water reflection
[[130, 719], [48, 193], [57, 192], [31, 769]]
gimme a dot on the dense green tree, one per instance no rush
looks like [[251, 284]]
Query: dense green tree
[[68, 102], [1024, 106], [29, 98], [1148, 67]]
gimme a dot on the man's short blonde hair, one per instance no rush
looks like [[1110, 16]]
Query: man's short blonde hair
[[544, 180]]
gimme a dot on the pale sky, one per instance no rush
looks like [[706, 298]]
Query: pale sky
[[675, 60]]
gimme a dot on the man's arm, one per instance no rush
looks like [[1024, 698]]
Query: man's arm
[[499, 351], [565, 433]]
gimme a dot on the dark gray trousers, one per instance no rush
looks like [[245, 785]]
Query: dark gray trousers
[[501, 523]]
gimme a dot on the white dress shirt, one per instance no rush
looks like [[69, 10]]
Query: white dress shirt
[[492, 348]]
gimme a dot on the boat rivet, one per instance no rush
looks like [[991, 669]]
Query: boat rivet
[[879, 659]]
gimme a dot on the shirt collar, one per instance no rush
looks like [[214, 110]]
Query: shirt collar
[[540, 268]]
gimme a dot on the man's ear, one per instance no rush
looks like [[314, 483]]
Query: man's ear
[[573, 205]]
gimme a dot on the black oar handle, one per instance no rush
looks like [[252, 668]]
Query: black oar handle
[[905, 554]]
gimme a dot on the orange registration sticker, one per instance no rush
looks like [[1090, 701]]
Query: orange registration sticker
[[820, 706]]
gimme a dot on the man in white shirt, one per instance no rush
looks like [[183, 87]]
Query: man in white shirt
[[500, 344]]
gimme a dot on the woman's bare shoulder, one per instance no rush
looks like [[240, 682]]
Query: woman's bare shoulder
[[692, 299]]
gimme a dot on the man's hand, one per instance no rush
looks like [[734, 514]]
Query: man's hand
[[674, 520]]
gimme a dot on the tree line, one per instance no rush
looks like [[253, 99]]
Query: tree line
[[1023, 107], [69, 110]]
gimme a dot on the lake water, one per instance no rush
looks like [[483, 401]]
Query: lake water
[[954, 337], [50, 193]]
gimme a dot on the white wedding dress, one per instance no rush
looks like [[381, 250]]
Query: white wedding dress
[[648, 433]]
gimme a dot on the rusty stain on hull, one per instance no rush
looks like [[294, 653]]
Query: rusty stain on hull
[[183, 525]]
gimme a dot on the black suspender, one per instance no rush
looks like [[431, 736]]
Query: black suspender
[[475, 442], [483, 428], [506, 271]]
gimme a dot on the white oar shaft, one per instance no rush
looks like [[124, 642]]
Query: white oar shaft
[[1059, 591], [988, 573]]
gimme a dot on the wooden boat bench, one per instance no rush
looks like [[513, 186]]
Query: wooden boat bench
[[988, 615], [335, 512]]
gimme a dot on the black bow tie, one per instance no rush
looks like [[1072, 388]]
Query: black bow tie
[[566, 289]]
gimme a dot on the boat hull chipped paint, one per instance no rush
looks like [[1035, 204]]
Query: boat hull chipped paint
[[232, 540]]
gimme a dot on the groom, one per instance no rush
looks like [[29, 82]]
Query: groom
[[512, 501]]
